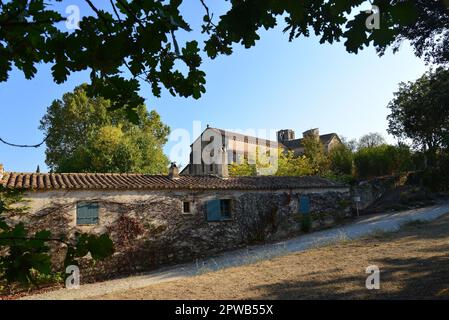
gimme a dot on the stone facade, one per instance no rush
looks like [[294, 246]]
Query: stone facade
[[238, 147], [370, 191], [149, 228]]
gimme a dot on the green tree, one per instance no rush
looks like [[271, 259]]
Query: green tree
[[287, 165], [342, 159], [382, 160], [372, 139], [315, 153], [291, 165], [141, 38], [242, 168], [84, 135], [420, 113], [429, 36]]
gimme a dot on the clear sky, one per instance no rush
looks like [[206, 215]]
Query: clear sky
[[275, 85]]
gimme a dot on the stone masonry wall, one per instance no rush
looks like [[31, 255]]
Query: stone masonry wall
[[149, 228]]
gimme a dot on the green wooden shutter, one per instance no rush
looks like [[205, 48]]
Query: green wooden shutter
[[86, 213], [213, 210]]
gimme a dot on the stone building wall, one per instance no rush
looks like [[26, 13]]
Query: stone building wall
[[372, 190], [150, 229]]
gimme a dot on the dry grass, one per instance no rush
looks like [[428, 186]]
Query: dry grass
[[414, 263]]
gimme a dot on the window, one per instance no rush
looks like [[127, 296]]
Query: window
[[186, 207], [218, 210], [86, 213], [211, 167]]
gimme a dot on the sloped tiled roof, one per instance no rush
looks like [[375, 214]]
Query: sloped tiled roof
[[125, 181], [246, 138], [231, 136]]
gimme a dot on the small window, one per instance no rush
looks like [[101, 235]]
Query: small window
[[86, 213], [211, 167], [186, 207], [218, 210]]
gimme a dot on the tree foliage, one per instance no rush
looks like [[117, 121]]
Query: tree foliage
[[315, 153], [429, 35], [370, 140], [420, 112], [242, 168], [342, 163], [287, 165], [291, 165], [24, 256], [84, 135], [128, 41], [382, 160], [342, 159]]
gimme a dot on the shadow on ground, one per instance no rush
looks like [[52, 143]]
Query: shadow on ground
[[417, 269]]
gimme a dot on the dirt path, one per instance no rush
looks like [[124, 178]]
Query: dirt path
[[310, 272]]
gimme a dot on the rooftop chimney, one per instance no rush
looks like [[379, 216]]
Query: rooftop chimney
[[173, 171]]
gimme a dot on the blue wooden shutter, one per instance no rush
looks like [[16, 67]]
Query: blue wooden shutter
[[213, 210], [86, 213], [304, 205]]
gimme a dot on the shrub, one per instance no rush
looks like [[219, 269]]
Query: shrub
[[306, 223], [382, 160], [342, 160]]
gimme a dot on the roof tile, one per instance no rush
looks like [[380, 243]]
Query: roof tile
[[88, 181]]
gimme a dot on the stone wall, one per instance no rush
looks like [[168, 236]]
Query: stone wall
[[372, 190], [149, 228]]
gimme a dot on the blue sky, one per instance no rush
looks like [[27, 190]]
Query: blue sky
[[277, 84]]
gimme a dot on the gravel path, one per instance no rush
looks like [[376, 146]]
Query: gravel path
[[362, 227]]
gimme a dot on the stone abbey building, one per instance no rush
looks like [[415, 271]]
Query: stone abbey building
[[237, 146]]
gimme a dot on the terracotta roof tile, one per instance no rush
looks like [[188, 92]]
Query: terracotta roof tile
[[89, 181]]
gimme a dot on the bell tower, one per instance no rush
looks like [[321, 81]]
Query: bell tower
[[285, 135]]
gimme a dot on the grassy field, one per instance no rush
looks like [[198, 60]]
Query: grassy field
[[413, 262]]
